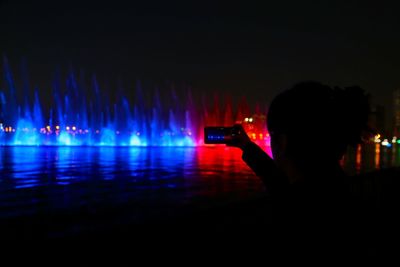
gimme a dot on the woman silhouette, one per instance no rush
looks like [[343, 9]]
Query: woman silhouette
[[311, 125]]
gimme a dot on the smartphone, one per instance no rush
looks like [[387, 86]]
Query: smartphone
[[217, 134]]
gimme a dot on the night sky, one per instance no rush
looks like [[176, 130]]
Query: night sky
[[248, 49]]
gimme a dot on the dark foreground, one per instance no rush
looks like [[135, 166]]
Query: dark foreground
[[218, 224]]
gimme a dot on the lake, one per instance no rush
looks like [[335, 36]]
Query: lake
[[154, 182]]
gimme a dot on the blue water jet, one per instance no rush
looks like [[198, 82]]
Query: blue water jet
[[85, 115]]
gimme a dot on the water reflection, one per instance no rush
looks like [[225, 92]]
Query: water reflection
[[358, 158], [377, 156], [54, 178], [369, 157], [64, 177], [171, 167]]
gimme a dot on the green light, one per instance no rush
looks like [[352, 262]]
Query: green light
[[398, 141]]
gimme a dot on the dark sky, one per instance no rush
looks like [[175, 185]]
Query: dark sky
[[244, 48]]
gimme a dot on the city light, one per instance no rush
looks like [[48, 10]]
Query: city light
[[386, 143], [377, 138]]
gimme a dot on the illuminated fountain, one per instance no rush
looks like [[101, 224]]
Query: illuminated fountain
[[81, 117]]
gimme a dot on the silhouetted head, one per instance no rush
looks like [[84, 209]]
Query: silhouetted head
[[312, 122]]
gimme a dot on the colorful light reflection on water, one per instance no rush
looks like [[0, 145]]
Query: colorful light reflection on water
[[56, 178], [152, 181], [152, 167], [32, 166]]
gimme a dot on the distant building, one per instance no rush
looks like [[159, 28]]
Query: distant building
[[396, 112], [377, 118]]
